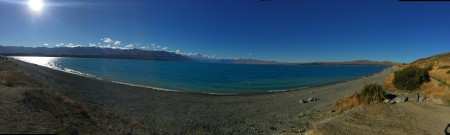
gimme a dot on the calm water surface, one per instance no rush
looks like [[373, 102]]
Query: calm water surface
[[205, 77]]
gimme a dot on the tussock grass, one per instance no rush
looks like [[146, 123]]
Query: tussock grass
[[370, 93], [349, 102], [374, 92], [444, 67], [432, 90], [388, 83], [441, 74]]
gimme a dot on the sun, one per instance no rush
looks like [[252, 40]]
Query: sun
[[36, 5]]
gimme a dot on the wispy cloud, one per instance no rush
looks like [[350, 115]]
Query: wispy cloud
[[117, 43], [129, 46], [107, 40]]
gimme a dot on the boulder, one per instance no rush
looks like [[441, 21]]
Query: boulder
[[400, 99], [386, 100], [421, 97], [413, 97], [312, 99], [302, 101], [301, 114]]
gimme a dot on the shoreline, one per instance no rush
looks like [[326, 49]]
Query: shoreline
[[70, 71], [163, 112]]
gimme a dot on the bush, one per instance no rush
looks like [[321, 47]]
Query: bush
[[410, 78], [448, 72], [374, 92], [370, 92]]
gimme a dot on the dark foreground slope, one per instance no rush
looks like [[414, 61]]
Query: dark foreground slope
[[116, 108]]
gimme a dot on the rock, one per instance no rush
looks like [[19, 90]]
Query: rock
[[386, 100], [421, 97], [301, 115], [312, 99], [302, 101], [413, 97], [400, 99]]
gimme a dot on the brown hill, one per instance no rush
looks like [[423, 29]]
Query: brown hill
[[436, 60]]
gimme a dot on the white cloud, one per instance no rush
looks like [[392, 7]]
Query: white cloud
[[59, 45], [178, 52], [70, 45], [107, 40], [117, 43], [92, 45], [45, 44], [130, 46], [164, 48]]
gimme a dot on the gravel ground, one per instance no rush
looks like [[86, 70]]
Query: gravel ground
[[144, 111]]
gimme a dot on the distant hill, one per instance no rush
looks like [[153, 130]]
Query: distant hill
[[436, 60], [96, 52], [89, 52], [247, 61], [355, 62]]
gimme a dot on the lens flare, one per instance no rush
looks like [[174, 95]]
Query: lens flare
[[36, 5]]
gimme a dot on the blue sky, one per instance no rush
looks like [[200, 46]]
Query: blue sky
[[281, 30]]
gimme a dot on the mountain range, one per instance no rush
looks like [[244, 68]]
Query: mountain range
[[96, 52]]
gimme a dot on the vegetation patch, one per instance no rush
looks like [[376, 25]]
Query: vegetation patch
[[374, 92], [370, 92], [432, 90], [410, 78], [444, 67]]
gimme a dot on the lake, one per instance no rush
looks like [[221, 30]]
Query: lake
[[205, 77]]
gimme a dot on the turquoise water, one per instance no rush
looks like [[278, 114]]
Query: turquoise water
[[205, 77]]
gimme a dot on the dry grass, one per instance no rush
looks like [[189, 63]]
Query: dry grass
[[432, 90], [441, 74], [349, 102], [399, 67], [428, 88], [389, 86]]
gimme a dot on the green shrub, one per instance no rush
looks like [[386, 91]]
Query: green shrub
[[374, 92], [410, 78], [448, 72]]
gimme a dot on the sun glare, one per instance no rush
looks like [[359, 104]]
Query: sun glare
[[36, 5]]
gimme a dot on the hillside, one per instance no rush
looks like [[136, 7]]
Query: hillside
[[436, 60]]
